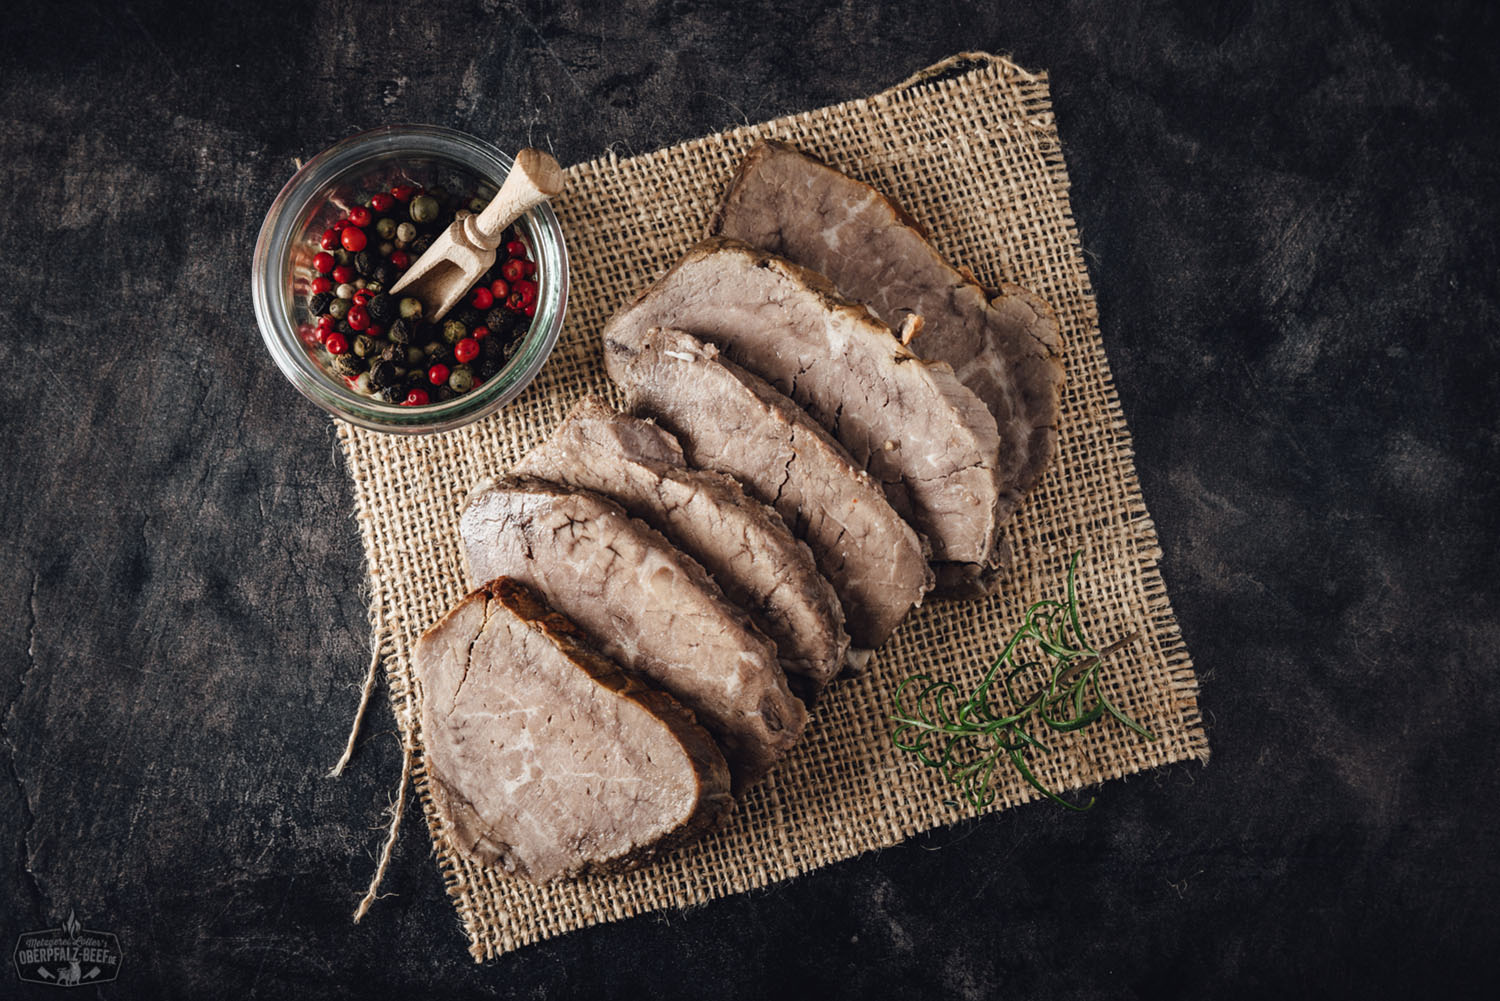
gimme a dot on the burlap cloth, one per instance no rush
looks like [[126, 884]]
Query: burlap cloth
[[970, 148]]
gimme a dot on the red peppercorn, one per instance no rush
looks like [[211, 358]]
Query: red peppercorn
[[362, 297], [360, 216], [515, 248], [525, 289], [480, 332], [336, 343], [438, 374], [326, 321], [382, 202], [338, 227], [323, 263], [322, 284], [376, 330], [400, 258], [358, 317], [416, 398], [530, 309], [343, 274], [354, 239], [513, 271], [330, 239], [466, 350], [482, 299], [529, 267], [403, 193], [500, 288]]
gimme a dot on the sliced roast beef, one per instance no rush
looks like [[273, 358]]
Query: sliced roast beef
[[647, 605], [1003, 344], [731, 421], [742, 543], [543, 756], [927, 439]]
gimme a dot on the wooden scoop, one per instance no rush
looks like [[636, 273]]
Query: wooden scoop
[[454, 262]]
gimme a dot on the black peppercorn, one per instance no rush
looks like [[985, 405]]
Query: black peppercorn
[[347, 365], [468, 316], [488, 368], [441, 394], [386, 273], [317, 305], [454, 331], [383, 374], [400, 331], [500, 320], [492, 347], [364, 263], [420, 246], [364, 346], [390, 394], [382, 309]]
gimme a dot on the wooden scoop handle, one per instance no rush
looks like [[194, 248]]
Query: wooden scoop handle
[[535, 178]]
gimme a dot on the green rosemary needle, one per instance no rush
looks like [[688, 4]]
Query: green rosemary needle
[[966, 741]]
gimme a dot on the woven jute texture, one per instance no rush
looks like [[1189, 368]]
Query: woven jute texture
[[971, 150]]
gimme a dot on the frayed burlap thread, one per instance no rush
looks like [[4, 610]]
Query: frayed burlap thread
[[970, 148]]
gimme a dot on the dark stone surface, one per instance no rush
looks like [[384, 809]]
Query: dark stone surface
[[1290, 214]]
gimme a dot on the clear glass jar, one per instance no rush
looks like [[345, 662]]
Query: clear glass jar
[[320, 192]]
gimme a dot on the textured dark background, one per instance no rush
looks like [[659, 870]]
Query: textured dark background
[[1290, 213]]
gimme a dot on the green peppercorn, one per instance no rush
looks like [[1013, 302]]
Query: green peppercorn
[[364, 263], [455, 331], [461, 379], [339, 308], [347, 364], [414, 356], [317, 305], [372, 285], [387, 249], [386, 227], [364, 345], [423, 208], [405, 233], [477, 205], [411, 308]]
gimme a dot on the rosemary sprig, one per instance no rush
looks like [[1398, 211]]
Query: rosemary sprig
[[967, 740]]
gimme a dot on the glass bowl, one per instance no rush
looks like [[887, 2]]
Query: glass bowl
[[319, 193]]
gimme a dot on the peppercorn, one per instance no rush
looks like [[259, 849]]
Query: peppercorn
[[364, 345], [492, 347], [387, 248], [461, 379], [393, 353], [423, 208], [500, 320], [383, 374], [386, 227], [364, 263], [455, 331], [399, 331], [360, 216], [372, 286], [347, 364], [488, 368], [405, 233], [342, 258], [339, 308], [391, 394], [442, 394], [436, 353], [386, 274], [466, 350], [362, 383], [353, 239], [421, 245], [416, 397], [411, 308], [342, 326], [383, 308], [317, 305]]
